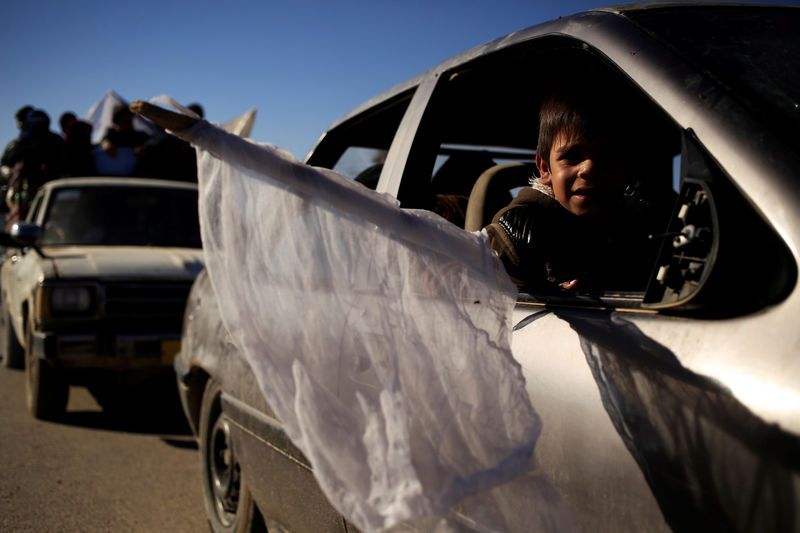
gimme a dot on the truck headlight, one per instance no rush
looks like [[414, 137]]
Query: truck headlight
[[71, 300]]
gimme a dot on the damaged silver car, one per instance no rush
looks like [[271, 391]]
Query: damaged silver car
[[668, 405]]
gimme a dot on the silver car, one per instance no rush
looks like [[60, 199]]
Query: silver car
[[670, 405]]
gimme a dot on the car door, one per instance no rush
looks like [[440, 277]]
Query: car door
[[649, 414]]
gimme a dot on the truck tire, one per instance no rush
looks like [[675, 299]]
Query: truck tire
[[46, 390], [13, 352]]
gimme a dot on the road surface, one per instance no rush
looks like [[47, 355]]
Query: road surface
[[93, 471]]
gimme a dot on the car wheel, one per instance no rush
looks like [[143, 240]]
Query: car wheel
[[13, 352], [229, 505], [46, 390]]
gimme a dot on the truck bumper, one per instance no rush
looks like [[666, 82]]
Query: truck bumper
[[137, 354]]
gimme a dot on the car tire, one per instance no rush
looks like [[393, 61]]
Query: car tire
[[46, 390], [228, 502], [13, 352]]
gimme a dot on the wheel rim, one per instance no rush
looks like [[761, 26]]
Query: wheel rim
[[224, 471]]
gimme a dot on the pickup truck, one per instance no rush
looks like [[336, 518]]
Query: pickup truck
[[94, 285]]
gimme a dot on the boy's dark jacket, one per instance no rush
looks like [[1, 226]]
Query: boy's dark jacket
[[542, 244]]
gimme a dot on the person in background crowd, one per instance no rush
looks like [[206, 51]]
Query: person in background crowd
[[5, 168], [19, 116], [64, 121], [78, 138], [121, 146], [166, 156], [197, 108], [38, 156]]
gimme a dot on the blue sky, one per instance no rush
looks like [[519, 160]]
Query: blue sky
[[302, 63]]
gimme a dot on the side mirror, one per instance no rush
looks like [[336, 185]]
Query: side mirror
[[721, 258], [25, 233], [686, 258]]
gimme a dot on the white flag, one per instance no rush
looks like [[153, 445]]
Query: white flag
[[380, 336]]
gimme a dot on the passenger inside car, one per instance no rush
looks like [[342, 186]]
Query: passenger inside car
[[582, 223]]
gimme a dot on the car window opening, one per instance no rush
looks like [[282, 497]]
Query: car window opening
[[484, 118]]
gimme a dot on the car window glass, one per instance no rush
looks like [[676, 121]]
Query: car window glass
[[33, 214], [115, 216], [362, 164], [358, 146], [676, 173]]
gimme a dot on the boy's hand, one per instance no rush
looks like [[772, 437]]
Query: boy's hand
[[560, 278], [568, 285]]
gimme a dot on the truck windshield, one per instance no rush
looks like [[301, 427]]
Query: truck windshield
[[122, 216]]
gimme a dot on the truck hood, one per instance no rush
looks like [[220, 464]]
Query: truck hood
[[125, 262]]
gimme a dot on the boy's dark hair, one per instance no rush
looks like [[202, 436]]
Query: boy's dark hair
[[579, 114]]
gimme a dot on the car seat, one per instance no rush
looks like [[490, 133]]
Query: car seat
[[491, 192]]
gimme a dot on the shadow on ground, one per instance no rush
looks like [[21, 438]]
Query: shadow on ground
[[147, 410]]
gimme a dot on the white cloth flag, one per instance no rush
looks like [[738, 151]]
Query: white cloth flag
[[380, 336], [101, 113]]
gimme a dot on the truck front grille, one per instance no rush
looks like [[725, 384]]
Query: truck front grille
[[143, 306]]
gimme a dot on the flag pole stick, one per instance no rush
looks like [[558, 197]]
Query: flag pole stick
[[164, 118]]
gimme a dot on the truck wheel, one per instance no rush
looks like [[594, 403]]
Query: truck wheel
[[46, 390], [229, 505], [13, 352]]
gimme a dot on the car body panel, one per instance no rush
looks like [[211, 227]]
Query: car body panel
[[252, 429], [566, 398], [115, 262]]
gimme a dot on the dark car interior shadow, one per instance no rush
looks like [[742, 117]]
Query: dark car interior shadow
[[712, 464]]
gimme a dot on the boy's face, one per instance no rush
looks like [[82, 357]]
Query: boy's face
[[588, 175]]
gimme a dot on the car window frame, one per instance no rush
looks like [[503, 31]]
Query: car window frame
[[421, 157]]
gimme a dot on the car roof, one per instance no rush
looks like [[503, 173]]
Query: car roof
[[117, 181], [576, 25]]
